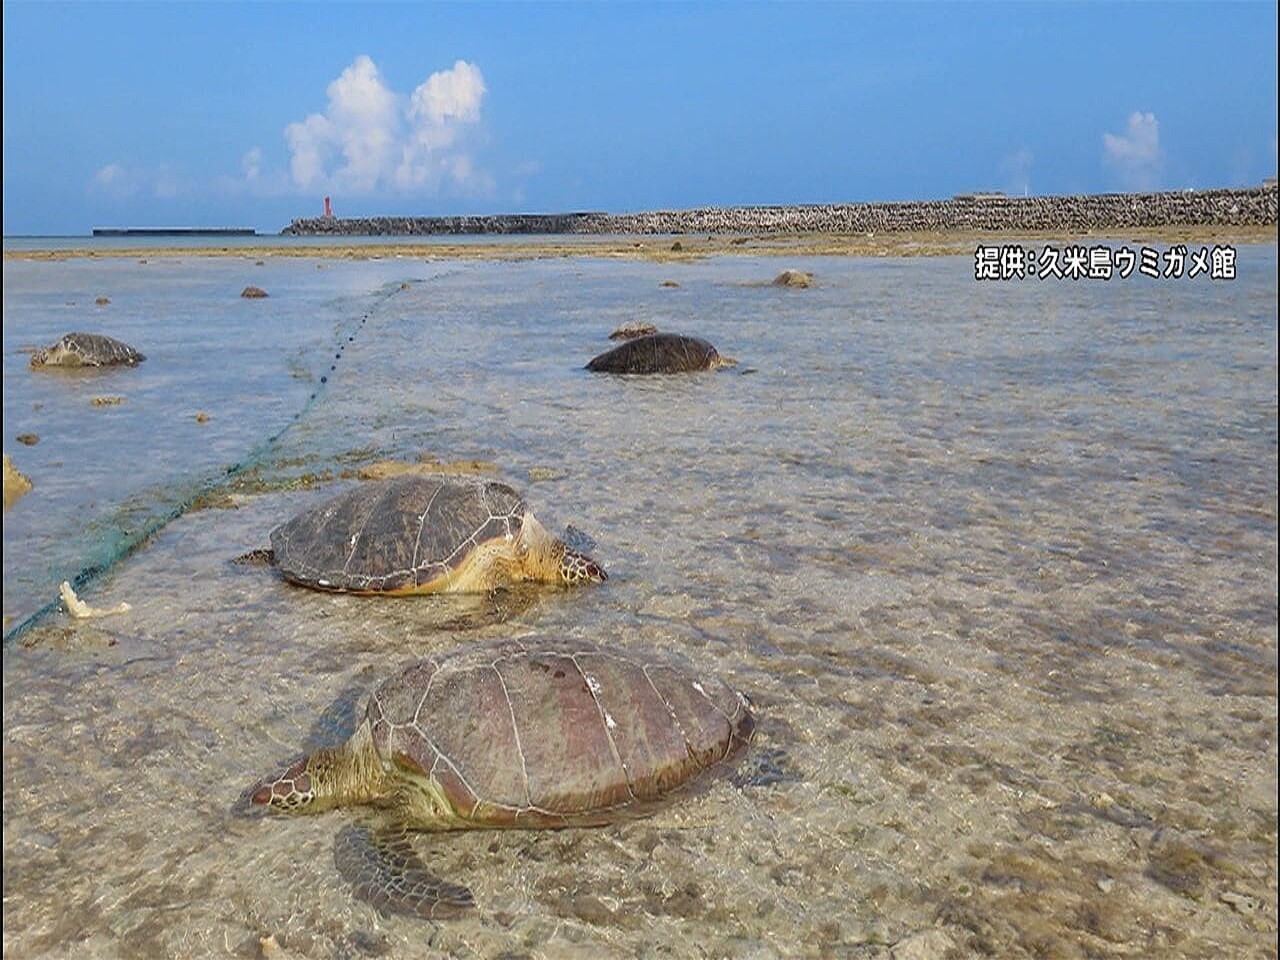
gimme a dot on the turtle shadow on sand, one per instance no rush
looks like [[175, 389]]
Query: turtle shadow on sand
[[535, 733], [423, 534]]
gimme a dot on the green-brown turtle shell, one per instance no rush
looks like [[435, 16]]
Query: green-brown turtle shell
[[86, 350], [545, 733], [658, 353], [396, 535]]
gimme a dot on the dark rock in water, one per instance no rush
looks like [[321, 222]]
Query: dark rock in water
[[86, 350], [29, 439], [660, 353], [253, 293]]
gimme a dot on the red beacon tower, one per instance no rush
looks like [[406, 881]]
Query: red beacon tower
[[328, 210]]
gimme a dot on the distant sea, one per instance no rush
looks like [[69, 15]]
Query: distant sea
[[995, 562]]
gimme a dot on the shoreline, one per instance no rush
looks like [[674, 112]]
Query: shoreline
[[664, 249]]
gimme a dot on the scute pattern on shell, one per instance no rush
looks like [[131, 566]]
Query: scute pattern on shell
[[395, 534], [535, 732]]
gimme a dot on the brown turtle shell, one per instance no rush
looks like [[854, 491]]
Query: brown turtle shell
[[546, 733], [399, 534], [657, 353]]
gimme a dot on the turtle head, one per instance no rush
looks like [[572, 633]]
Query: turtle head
[[578, 568], [305, 786], [718, 361], [549, 559]]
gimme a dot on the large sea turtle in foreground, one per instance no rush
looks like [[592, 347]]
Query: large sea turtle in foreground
[[417, 533], [529, 733], [660, 353], [86, 350]]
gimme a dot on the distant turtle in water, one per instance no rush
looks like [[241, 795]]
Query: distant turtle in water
[[532, 733], [86, 350], [629, 331], [660, 353], [415, 533], [793, 278]]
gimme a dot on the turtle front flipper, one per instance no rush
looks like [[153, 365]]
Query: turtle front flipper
[[385, 871]]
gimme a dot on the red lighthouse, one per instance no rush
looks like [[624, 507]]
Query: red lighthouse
[[328, 210]]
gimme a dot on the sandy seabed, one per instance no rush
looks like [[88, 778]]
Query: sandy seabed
[[996, 564]]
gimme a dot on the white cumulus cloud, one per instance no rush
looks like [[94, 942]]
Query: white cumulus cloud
[[110, 175], [369, 136], [1136, 154], [251, 163], [453, 94]]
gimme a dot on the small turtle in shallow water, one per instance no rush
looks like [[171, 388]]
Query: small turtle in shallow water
[[660, 353], [86, 350], [413, 533], [793, 278], [531, 733], [629, 331]]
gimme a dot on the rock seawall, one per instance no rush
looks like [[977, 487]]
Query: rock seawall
[[1255, 206]]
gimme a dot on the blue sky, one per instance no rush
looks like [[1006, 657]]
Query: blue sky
[[227, 114]]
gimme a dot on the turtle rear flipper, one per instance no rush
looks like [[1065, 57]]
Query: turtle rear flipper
[[385, 871]]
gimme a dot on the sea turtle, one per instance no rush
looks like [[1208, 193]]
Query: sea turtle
[[416, 533], [529, 733], [793, 278], [660, 353], [86, 350], [629, 331]]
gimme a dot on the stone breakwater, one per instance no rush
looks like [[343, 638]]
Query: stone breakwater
[[1255, 206]]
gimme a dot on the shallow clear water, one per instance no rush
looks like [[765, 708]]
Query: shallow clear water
[[995, 563]]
